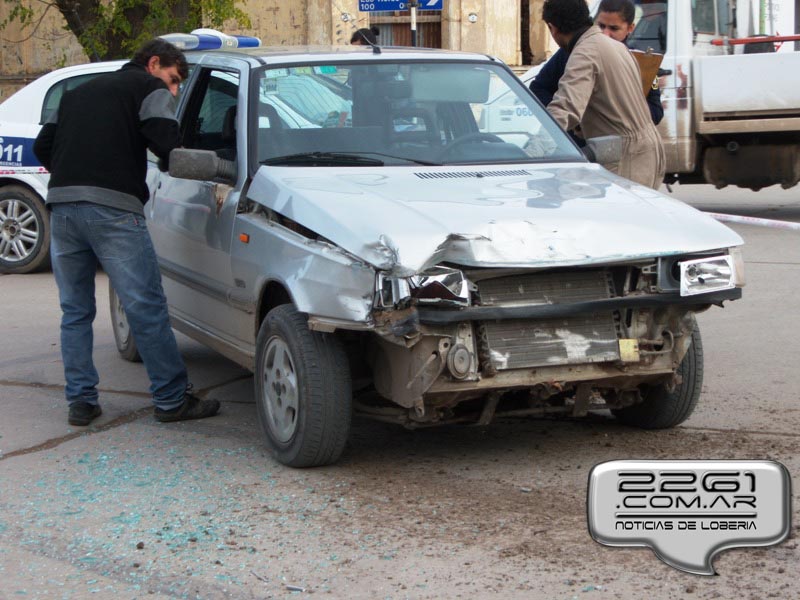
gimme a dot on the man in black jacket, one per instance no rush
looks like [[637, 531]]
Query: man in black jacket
[[615, 19], [95, 147]]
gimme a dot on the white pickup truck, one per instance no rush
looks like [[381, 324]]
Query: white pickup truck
[[731, 97]]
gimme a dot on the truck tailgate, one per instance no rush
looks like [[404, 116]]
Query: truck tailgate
[[748, 84]]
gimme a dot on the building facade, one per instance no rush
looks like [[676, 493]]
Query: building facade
[[512, 30], [490, 26]]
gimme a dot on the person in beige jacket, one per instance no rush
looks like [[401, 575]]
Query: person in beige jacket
[[601, 92]]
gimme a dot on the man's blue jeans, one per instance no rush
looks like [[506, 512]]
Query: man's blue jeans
[[82, 234]]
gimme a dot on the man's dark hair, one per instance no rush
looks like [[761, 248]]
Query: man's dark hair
[[370, 36], [625, 8], [168, 55], [566, 15]]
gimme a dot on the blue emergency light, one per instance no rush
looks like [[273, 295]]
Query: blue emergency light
[[210, 39]]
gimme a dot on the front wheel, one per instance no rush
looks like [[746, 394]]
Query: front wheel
[[663, 408], [303, 390], [126, 345], [24, 231]]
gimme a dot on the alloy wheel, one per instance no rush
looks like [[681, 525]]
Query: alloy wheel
[[280, 390], [19, 230]]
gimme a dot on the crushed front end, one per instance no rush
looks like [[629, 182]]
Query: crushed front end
[[470, 344]]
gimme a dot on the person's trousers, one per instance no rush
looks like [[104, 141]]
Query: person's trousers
[[643, 158], [83, 233]]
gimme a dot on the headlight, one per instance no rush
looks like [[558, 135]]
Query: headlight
[[440, 284], [704, 275], [435, 286]]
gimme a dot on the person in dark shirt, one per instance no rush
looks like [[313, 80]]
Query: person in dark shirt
[[615, 19], [95, 147]]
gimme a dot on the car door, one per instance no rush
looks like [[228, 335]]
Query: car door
[[191, 222]]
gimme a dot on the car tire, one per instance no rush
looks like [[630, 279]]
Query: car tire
[[23, 251], [302, 389], [663, 408], [123, 336]]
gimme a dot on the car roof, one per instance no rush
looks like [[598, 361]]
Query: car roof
[[284, 54], [25, 104]]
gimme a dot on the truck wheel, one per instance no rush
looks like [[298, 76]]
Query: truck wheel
[[303, 390], [24, 231], [661, 408], [126, 345]]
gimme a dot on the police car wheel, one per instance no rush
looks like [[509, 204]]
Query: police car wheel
[[24, 231], [664, 407]]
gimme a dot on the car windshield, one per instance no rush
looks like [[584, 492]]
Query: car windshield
[[403, 112]]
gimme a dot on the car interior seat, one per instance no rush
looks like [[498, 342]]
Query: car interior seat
[[271, 136], [412, 126], [228, 150]]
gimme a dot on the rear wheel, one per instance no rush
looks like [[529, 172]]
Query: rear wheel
[[662, 408], [24, 231], [123, 336], [303, 390]]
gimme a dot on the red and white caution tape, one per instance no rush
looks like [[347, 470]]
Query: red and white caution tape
[[757, 221]]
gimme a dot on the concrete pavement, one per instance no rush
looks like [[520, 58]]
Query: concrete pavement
[[130, 508]]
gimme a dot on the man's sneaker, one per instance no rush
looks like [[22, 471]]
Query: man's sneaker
[[192, 408], [83, 413]]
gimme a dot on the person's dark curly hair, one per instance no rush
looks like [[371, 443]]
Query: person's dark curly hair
[[625, 8], [366, 36], [168, 55], [567, 15]]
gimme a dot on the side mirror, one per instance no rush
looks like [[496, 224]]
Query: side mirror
[[604, 150], [202, 165]]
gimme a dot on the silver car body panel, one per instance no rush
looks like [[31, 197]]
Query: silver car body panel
[[322, 280], [399, 220]]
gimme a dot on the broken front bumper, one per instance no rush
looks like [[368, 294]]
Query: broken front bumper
[[447, 355]]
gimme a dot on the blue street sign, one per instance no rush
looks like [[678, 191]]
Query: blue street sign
[[376, 5]]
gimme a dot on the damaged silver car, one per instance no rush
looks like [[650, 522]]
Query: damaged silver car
[[401, 253]]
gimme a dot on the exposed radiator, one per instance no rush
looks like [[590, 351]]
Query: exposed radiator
[[533, 343], [546, 288]]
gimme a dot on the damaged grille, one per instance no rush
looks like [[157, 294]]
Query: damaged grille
[[519, 344]]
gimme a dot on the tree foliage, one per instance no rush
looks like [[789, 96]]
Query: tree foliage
[[116, 28]]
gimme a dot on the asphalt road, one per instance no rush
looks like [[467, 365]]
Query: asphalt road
[[130, 508]]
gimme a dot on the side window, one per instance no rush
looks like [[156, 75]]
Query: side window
[[710, 16], [651, 27], [53, 96], [210, 122]]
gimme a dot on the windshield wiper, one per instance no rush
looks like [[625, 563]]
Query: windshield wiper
[[415, 161], [336, 158], [345, 157]]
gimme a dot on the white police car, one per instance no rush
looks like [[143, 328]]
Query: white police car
[[24, 226]]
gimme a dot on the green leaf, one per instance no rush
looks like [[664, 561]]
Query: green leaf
[[116, 30]]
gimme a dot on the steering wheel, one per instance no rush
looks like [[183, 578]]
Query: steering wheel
[[469, 138]]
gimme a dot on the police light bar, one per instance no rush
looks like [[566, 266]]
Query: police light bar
[[210, 39]]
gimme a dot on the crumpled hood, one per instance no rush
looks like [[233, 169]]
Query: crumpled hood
[[407, 219]]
